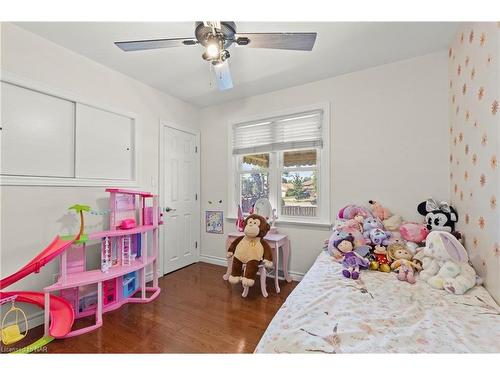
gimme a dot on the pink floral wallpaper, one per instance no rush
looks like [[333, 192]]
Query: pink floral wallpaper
[[474, 81]]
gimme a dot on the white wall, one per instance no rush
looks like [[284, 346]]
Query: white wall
[[389, 143], [32, 216]]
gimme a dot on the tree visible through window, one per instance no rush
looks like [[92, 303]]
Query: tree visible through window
[[299, 192]]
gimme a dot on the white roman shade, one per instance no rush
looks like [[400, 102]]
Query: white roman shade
[[300, 130]]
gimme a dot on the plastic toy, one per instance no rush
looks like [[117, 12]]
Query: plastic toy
[[127, 224], [80, 209], [83, 291], [11, 332]]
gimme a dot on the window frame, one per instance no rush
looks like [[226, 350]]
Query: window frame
[[323, 218]]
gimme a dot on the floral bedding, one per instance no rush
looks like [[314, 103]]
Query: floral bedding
[[328, 313]]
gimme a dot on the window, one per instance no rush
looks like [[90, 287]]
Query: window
[[284, 159]]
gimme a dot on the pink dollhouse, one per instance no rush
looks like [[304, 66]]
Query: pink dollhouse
[[128, 251]]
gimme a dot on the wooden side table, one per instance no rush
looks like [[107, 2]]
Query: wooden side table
[[276, 241]]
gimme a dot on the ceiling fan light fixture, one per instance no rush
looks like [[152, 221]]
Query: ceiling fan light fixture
[[212, 50]]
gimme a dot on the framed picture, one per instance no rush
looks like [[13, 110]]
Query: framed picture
[[214, 222]]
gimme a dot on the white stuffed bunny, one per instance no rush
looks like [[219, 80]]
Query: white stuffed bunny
[[445, 263]]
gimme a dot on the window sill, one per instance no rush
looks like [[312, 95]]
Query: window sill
[[297, 223]]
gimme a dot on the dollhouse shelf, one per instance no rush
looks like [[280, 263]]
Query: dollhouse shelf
[[144, 194], [121, 232], [95, 276], [125, 254]]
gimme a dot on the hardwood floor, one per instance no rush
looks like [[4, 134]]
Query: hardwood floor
[[196, 312]]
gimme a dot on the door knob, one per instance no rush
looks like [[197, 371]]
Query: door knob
[[169, 209]]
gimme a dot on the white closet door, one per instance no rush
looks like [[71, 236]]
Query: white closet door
[[183, 218], [38, 133], [104, 144]]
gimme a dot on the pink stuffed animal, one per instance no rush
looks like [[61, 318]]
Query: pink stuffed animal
[[351, 211], [414, 232], [379, 211]]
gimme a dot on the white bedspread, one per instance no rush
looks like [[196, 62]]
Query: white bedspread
[[328, 313]]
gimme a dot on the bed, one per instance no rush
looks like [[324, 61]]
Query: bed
[[328, 313]]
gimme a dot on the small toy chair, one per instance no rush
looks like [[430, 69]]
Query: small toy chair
[[263, 278], [12, 333]]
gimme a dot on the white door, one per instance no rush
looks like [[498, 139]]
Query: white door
[[180, 183]]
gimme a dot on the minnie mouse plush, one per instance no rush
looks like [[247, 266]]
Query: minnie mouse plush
[[438, 215]]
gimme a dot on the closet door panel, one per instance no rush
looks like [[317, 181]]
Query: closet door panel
[[38, 133], [104, 144]]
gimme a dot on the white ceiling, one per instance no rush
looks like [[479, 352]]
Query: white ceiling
[[341, 47]]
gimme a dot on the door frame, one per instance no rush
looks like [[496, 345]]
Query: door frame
[[162, 152]]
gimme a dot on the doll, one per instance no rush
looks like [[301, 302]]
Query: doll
[[356, 223], [352, 261], [381, 262], [403, 262], [355, 228]]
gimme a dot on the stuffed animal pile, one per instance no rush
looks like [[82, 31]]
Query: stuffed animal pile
[[374, 238]]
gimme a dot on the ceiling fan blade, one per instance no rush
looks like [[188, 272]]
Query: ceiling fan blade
[[140, 45], [291, 41], [223, 76]]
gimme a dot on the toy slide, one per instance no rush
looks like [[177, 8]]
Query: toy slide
[[61, 312], [56, 247]]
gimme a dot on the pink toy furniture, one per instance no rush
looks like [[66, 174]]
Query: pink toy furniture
[[127, 224], [276, 241], [125, 255]]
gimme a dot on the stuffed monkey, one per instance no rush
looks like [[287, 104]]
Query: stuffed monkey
[[249, 250]]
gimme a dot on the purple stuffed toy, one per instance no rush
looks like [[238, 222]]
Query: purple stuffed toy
[[351, 261], [378, 237]]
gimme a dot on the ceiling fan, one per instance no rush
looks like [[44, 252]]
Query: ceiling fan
[[217, 37]]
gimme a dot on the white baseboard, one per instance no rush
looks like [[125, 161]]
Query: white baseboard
[[220, 261], [213, 260]]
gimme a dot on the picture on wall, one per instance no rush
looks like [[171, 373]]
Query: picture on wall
[[214, 221]]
